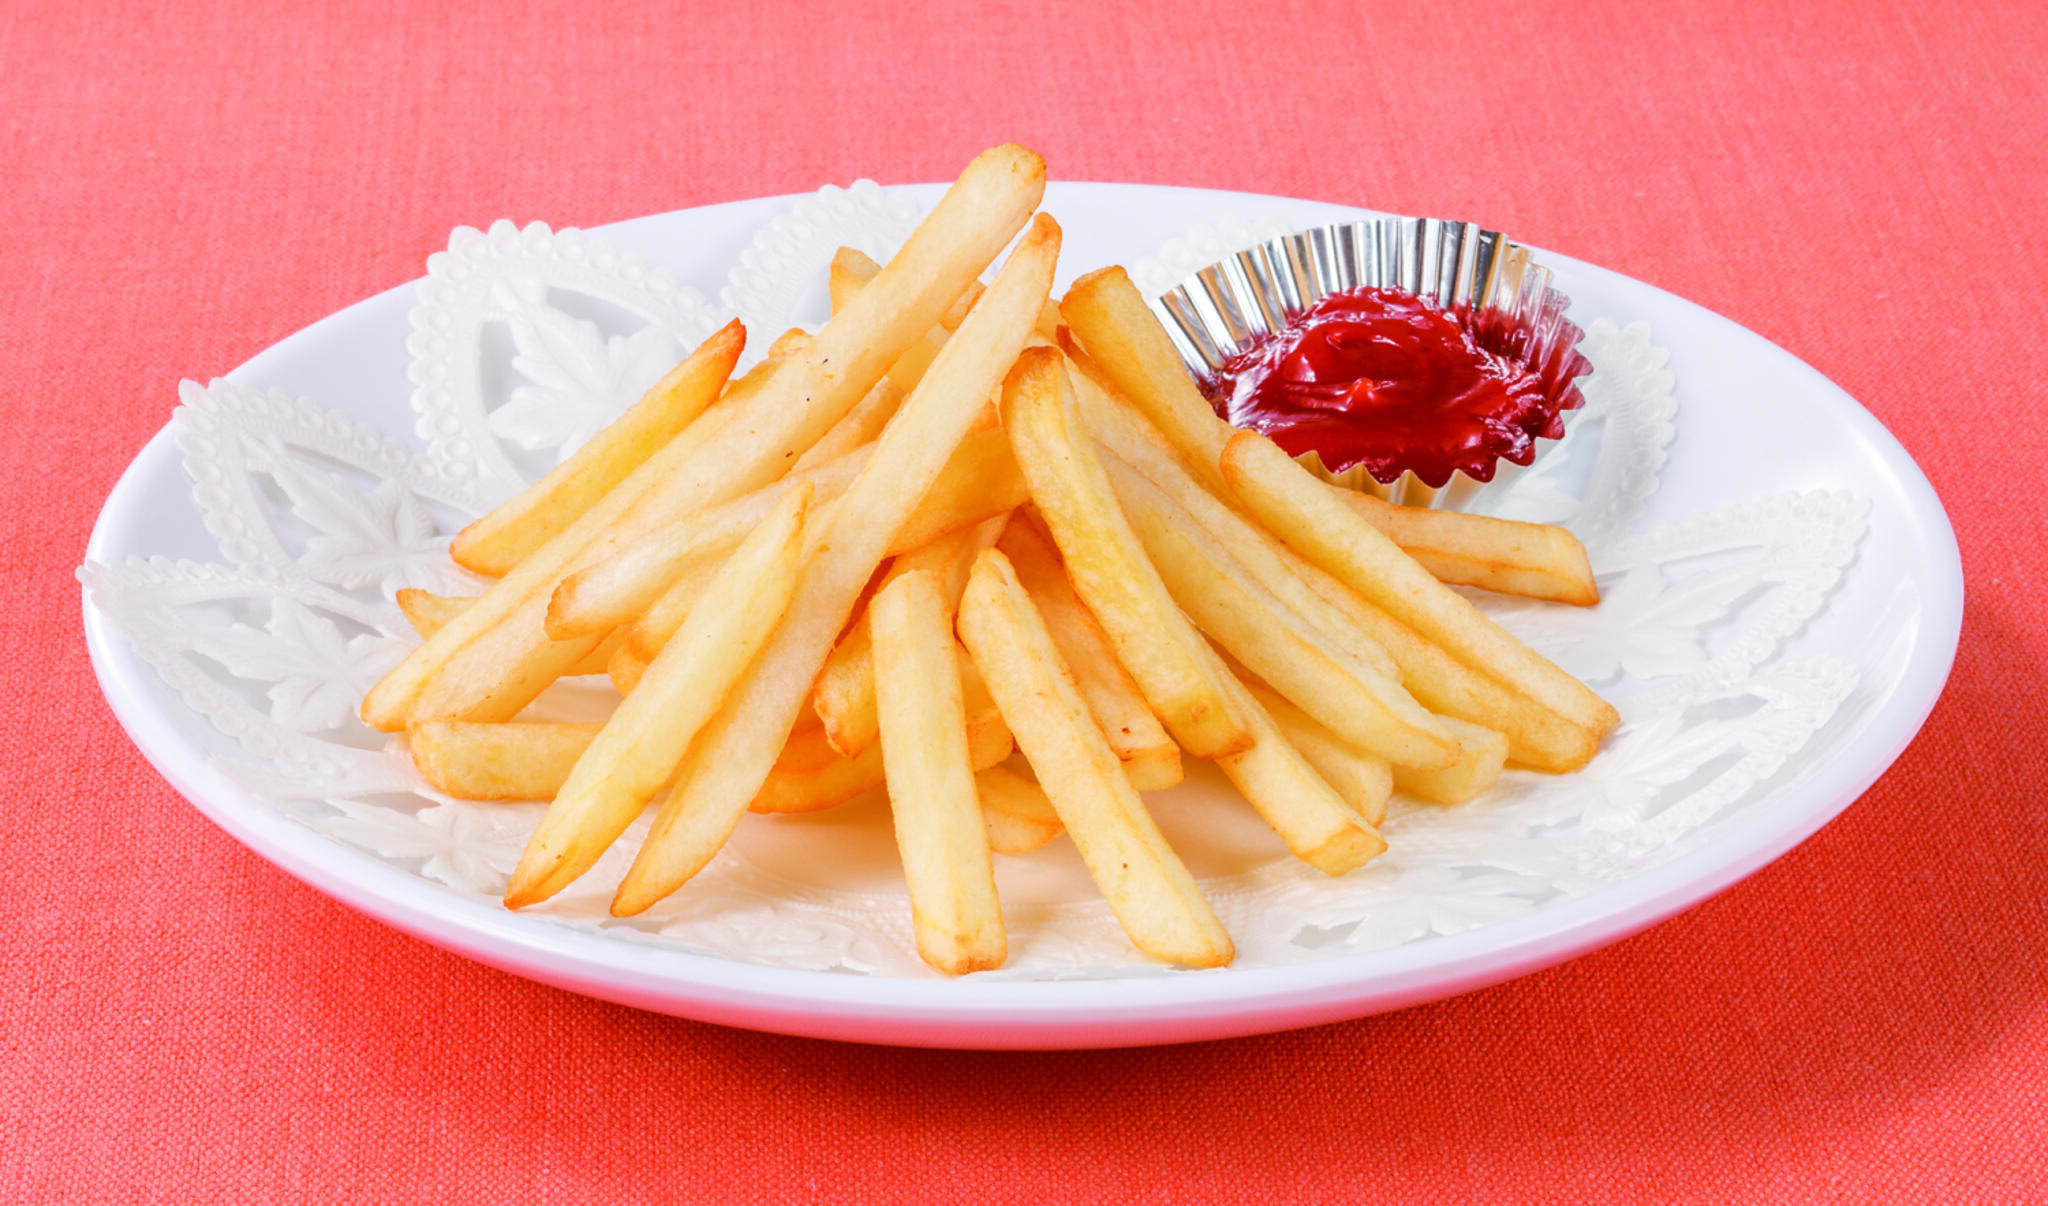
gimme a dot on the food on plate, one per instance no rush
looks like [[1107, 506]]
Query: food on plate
[[637, 752], [1149, 889], [958, 526], [733, 756], [1107, 565], [1307, 516], [1015, 812], [939, 828], [1397, 383]]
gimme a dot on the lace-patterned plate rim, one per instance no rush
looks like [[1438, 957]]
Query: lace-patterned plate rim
[[1164, 1008]]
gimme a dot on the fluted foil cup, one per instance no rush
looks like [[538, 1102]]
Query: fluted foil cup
[[1504, 296]]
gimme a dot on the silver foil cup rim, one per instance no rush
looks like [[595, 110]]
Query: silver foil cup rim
[[1212, 314]]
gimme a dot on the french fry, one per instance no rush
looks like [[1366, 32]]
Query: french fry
[[1149, 889], [513, 658], [515, 528], [858, 429], [1361, 780], [1350, 698], [509, 617], [979, 481], [1296, 506], [1126, 341], [1106, 563], [1483, 753], [850, 271], [734, 756], [1533, 560], [1538, 737], [937, 815], [640, 747], [620, 588], [513, 761], [845, 697], [626, 668], [530, 760], [428, 612], [1127, 435], [1015, 813], [809, 775], [1318, 825], [796, 339], [1151, 760], [665, 615]]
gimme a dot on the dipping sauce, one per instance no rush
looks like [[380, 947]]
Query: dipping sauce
[[1393, 382]]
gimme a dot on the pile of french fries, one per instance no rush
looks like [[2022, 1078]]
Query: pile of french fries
[[955, 525]]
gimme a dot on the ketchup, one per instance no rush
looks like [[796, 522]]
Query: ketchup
[[1393, 382]]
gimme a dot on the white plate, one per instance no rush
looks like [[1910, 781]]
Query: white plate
[[1753, 423]]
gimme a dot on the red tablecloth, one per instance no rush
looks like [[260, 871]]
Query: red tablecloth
[[186, 183]]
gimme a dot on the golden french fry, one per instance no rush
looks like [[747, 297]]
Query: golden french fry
[[502, 635], [733, 757], [1318, 825], [1483, 752], [1149, 889], [809, 775], [1533, 560], [666, 614], [1130, 437], [1106, 563], [937, 815], [1015, 813], [626, 668], [1352, 699], [851, 271], [1151, 760], [844, 697], [428, 613], [620, 588], [1538, 737], [858, 429], [980, 482], [1361, 780], [1302, 512], [513, 529], [513, 761], [493, 676], [1126, 341], [796, 339], [640, 747]]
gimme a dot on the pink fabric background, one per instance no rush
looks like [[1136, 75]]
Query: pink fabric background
[[1863, 183]]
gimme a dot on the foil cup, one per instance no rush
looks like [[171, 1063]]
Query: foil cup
[[1504, 295]]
